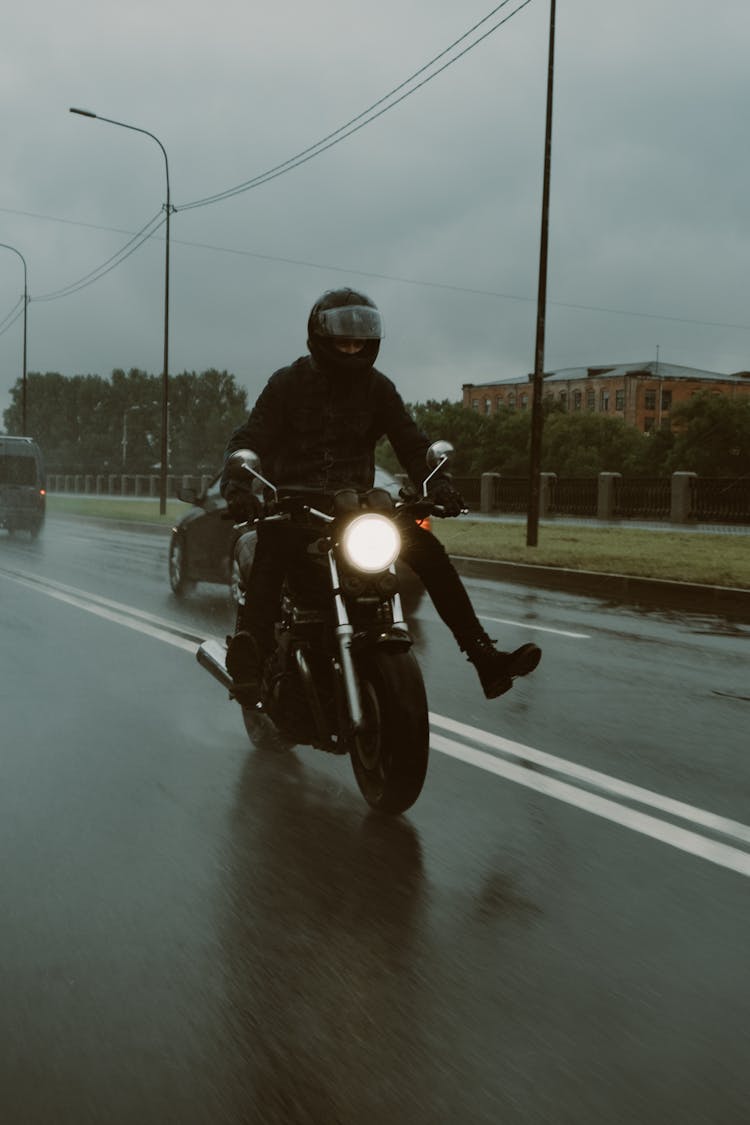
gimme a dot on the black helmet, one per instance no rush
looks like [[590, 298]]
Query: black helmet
[[344, 314]]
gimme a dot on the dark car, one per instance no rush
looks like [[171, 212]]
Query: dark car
[[201, 548], [22, 485]]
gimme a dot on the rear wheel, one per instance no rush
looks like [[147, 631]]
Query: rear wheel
[[389, 756], [178, 573]]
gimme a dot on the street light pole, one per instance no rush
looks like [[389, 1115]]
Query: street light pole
[[537, 406], [165, 369], [25, 311]]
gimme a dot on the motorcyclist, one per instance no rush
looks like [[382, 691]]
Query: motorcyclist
[[316, 425]]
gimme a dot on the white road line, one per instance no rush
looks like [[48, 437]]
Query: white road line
[[602, 781], [119, 618], [722, 854], [537, 628], [715, 852], [48, 584]]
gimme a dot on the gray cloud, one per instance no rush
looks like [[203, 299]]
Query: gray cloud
[[648, 184]]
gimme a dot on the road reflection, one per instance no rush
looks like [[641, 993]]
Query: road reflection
[[323, 933]]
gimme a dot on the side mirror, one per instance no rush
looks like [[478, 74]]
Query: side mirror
[[244, 459], [188, 495], [439, 453], [247, 461]]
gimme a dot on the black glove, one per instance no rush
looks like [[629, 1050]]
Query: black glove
[[448, 497], [242, 504]]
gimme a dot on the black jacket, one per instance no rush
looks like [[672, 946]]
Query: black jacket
[[317, 430]]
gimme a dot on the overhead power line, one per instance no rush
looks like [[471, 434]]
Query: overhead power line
[[366, 116], [100, 271], [4, 322], [10, 323], [469, 290]]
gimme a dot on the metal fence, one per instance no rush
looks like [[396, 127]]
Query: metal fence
[[572, 496], [681, 498], [720, 499], [645, 497]]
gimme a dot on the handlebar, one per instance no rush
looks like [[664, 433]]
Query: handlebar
[[285, 507]]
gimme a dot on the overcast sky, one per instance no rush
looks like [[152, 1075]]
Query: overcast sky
[[433, 209]]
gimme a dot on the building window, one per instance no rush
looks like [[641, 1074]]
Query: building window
[[488, 406], [475, 404], [512, 400], [604, 400], [649, 424], [563, 397], [591, 400], [620, 400], [498, 402], [524, 401], [577, 400], [666, 400], [649, 401]]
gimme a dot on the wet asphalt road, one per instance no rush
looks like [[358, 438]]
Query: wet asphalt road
[[198, 930]]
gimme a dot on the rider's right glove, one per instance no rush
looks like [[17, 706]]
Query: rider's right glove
[[242, 504], [448, 497]]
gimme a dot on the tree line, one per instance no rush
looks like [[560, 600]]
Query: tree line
[[709, 435], [89, 424]]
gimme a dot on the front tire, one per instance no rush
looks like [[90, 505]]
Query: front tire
[[389, 756], [178, 572]]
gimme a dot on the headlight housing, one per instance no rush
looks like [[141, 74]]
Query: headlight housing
[[371, 543]]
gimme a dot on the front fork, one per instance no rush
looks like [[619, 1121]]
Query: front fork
[[344, 634]]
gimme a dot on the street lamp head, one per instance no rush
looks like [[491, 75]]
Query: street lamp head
[[82, 112]]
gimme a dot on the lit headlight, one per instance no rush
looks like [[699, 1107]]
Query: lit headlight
[[371, 543]]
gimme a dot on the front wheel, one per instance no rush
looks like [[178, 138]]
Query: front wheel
[[389, 756]]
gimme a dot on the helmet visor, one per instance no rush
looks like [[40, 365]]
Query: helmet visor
[[350, 322]]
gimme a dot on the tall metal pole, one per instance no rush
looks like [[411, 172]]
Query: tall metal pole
[[25, 332], [537, 405], [165, 370]]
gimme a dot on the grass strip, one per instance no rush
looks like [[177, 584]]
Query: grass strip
[[144, 510], [712, 560]]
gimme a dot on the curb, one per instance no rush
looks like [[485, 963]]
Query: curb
[[651, 592]]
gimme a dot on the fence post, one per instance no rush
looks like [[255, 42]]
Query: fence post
[[488, 492], [680, 507], [605, 495], [545, 492]]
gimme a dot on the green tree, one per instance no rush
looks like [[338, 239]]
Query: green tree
[[583, 445], [87, 424], [712, 436]]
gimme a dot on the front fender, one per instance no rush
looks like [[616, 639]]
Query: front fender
[[389, 640]]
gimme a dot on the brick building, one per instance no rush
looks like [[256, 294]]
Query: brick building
[[641, 393]]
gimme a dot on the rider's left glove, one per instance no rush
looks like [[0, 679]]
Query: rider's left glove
[[242, 504], [448, 497]]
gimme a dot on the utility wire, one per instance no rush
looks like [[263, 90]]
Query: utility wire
[[351, 126], [471, 291], [475, 292], [6, 318], [10, 324], [111, 263]]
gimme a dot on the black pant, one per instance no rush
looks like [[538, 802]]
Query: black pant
[[278, 543]]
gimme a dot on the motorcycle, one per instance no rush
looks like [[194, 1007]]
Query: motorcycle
[[342, 677]]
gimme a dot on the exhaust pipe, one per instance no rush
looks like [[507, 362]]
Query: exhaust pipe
[[211, 655]]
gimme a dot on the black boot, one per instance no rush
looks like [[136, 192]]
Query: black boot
[[496, 669], [244, 663]]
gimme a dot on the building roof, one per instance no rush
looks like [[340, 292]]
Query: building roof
[[655, 370]]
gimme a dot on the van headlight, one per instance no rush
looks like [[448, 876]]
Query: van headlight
[[371, 543]]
